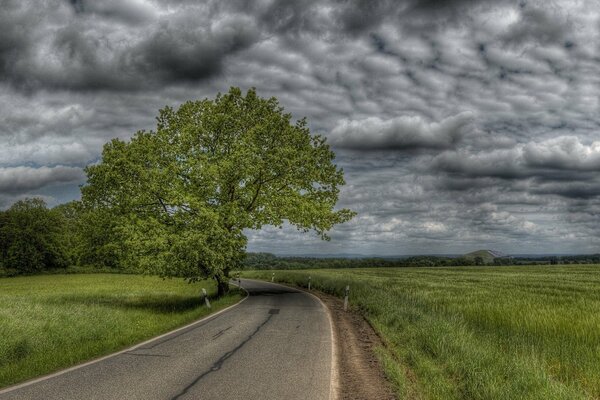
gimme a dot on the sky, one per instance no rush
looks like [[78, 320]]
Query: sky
[[460, 124]]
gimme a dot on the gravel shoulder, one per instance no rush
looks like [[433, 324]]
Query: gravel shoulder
[[360, 374]]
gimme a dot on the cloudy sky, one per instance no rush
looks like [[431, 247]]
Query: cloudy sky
[[459, 124]]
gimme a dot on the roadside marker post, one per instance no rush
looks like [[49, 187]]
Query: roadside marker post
[[346, 298], [273, 277], [205, 298], [239, 280], [309, 278]]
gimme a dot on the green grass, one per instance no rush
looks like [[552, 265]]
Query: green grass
[[478, 332], [54, 321]]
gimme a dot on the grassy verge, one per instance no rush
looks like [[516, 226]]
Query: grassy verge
[[50, 322], [478, 332]]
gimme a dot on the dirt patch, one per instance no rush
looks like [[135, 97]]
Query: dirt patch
[[361, 375]]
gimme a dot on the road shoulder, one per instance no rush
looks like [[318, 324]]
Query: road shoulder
[[360, 373]]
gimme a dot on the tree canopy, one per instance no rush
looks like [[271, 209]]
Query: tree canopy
[[184, 194]]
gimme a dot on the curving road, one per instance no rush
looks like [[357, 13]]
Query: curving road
[[277, 344]]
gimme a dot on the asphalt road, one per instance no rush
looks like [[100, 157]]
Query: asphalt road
[[274, 345]]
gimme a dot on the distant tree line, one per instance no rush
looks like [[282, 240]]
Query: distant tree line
[[271, 261]]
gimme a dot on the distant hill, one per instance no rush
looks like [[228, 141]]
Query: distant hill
[[486, 256]]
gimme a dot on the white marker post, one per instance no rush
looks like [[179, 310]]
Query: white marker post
[[309, 283], [239, 280], [273, 277], [346, 298], [205, 298]]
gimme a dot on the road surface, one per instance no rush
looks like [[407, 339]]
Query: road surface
[[276, 344]]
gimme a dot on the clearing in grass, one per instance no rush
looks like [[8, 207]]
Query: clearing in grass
[[50, 322], [478, 332]]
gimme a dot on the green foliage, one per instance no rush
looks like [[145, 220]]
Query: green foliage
[[528, 332], [50, 322], [182, 195], [30, 238], [98, 240]]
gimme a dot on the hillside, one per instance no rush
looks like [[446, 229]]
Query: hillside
[[487, 256]]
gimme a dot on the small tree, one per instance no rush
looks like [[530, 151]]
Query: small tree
[[185, 193], [30, 238]]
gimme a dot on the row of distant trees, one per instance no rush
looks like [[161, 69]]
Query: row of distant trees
[[271, 261], [35, 238]]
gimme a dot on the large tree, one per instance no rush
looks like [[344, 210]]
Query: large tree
[[185, 193]]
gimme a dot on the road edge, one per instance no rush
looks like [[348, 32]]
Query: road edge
[[42, 378]]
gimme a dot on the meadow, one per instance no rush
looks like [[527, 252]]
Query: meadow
[[49, 322], [528, 332]]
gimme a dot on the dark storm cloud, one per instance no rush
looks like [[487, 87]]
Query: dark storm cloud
[[358, 16], [116, 46], [132, 12], [178, 52], [459, 124]]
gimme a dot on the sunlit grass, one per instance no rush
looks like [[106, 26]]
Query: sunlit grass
[[479, 332], [54, 321]]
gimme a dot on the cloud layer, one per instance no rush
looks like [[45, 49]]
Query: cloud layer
[[460, 124]]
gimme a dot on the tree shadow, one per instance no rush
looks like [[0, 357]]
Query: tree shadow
[[155, 303]]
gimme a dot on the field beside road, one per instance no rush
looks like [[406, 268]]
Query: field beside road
[[50, 322], [528, 332]]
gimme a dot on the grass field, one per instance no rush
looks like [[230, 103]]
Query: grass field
[[54, 321], [478, 332]]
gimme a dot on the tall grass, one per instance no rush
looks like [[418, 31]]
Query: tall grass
[[478, 332], [53, 321]]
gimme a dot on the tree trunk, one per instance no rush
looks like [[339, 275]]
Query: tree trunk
[[222, 285]]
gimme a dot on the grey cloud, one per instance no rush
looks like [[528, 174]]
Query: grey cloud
[[497, 163], [399, 133], [20, 179], [540, 25], [568, 189], [560, 166], [563, 153]]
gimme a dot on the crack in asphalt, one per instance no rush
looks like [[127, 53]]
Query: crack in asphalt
[[219, 363], [221, 332]]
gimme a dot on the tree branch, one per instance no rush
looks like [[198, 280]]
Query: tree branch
[[258, 187]]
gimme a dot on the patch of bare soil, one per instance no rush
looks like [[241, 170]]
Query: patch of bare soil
[[361, 375]]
